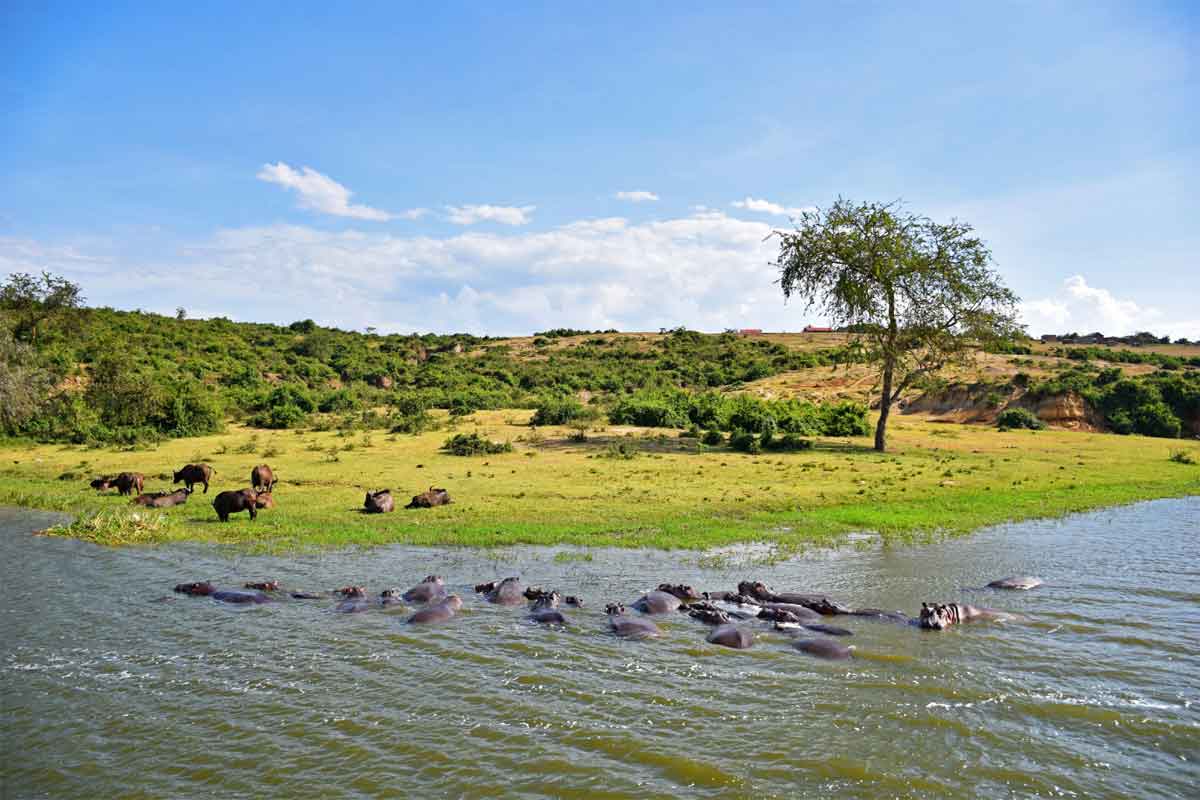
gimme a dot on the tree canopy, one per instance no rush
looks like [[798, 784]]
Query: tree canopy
[[918, 294]]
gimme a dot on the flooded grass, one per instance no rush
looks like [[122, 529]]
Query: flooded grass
[[555, 490]]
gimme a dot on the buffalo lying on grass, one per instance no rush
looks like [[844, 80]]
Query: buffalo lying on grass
[[429, 499], [379, 502], [162, 499]]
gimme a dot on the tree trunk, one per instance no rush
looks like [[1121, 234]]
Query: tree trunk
[[885, 406]]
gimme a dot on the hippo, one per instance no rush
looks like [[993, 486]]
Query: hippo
[[823, 648], [1021, 583], [232, 502], [684, 592], [206, 589], [262, 586], [717, 596], [431, 588], [536, 593], [196, 589], [731, 636], [628, 627], [355, 600], [800, 613], [830, 630], [126, 482], [380, 502], [545, 609], [430, 498], [391, 597], [440, 611], [306, 595], [815, 602], [508, 592], [656, 602], [240, 597], [262, 478], [192, 474], [707, 613], [779, 615], [880, 614], [939, 616]]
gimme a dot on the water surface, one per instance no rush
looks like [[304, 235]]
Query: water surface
[[110, 691]]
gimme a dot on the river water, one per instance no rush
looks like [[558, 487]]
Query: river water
[[1094, 691]]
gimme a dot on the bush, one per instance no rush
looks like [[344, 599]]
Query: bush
[[472, 444], [1156, 419], [557, 411], [846, 418], [744, 442], [713, 438], [1182, 457], [1019, 418], [788, 443]]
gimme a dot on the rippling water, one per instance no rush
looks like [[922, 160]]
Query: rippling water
[[1094, 691]]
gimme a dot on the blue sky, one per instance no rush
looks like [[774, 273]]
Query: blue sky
[[510, 168]]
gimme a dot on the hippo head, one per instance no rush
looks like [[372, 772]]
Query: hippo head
[[680, 590], [433, 579], [756, 589], [352, 591], [549, 599], [199, 588], [386, 593], [572, 600], [935, 617], [453, 601], [264, 586], [614, 609], [484, 588]]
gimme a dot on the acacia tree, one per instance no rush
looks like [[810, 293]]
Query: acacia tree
[[916, 295]]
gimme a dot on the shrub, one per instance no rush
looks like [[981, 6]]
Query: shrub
[[472, 444], [846, 418], [713, 438], [1156, 419], [1182, 457], [788, 443], [744, 442], [1019, 418], [557, 411]]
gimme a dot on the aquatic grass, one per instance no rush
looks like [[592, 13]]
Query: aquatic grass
[[672, 497]]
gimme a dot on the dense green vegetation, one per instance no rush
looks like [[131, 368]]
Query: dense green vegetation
[[1152, 405], [96, 375]]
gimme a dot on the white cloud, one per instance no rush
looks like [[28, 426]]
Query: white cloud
[[709, 271], [507, 215], [321, 193], [1082, 308], [637, 196], [767, 207]]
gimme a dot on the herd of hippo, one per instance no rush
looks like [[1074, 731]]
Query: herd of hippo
[[729, 614], [251, 500]]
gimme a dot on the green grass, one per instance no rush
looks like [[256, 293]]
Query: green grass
[[552, 490]]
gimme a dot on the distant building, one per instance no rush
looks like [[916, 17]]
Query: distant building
[[1049, 337], [751, 331], [817, 329]]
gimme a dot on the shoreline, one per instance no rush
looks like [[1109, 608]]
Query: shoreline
[[672, 493]]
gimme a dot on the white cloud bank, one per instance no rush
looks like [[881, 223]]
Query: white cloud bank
[[506, 215], [1082, 308], [767, 207], [637, 196], [321, 193]]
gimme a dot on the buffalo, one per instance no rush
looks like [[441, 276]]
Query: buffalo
[[429, 499], [103, 484], [193, 474], [262, 479], [232, 502], [163, 499], [379, 502], [126, 482]]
